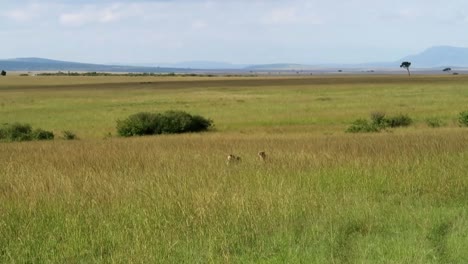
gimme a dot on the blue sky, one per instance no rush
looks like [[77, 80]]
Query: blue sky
[[237, 31]]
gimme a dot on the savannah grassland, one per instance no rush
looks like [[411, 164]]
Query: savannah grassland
[[323, 196]]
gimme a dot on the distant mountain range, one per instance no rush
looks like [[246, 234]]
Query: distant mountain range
[[39, 64], [206, 65], [432, 58], [440, 56]]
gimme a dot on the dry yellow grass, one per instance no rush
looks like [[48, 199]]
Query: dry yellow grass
[[36, 169]]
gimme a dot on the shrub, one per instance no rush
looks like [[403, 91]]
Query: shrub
[[170, 122], [68, 135], [23, 132], [378, 119], [362, 126], [434, 122], [463, 118], [138, 125], [174, 122], [40, 134], [16, 132], [199, 123], [399, 121], [3, 133], [378, 122]]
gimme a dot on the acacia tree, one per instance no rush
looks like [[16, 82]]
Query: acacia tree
[[406, 65], [3, 73]]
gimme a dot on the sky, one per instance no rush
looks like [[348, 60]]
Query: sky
[[235, 31]]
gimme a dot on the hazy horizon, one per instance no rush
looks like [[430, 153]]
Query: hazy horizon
[[238, 32]]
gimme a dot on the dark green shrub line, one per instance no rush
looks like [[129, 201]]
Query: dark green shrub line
[[399, 121], [40, 134], [23, 132], [170, 122], [379, 122], [142, 74]]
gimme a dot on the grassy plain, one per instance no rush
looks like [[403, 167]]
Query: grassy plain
[[323, 196]]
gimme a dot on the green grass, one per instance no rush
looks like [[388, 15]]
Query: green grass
[[322, 196], [90, 106]]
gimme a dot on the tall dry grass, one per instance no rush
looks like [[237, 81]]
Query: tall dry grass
[[390, 197]]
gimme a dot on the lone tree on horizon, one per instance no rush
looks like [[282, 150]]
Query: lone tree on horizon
[[3, 73], [406, 65]]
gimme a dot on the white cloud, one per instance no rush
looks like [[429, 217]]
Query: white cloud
[[109, 15], [92, 14], [74, 19], [18, 15], [289, 15], [25, 14], [281, 16], [199, 24]]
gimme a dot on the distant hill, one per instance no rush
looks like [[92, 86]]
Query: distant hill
[[39, 64], [433, 58], [323, 67], [279, 67], [440, 56], [203, 65]]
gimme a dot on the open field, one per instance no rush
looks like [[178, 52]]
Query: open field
[[322, 196], [90, 106]]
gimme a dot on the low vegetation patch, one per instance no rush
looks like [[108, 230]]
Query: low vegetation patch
[[434, 122], [463, 119], [400, 120], [378, 122], [69, 135], [362, 126], [170, 122], [41, 134], [23, 132]]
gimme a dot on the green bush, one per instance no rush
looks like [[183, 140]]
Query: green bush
[[463, 118], [199, 123], [378, 122], [175, 122], [434, 122], [16, 132], [378, 119], [23, 132], [40, 134], [399, 121], [170, 122], [3, 133], [138, 125], [362, 126], [68, 135]]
